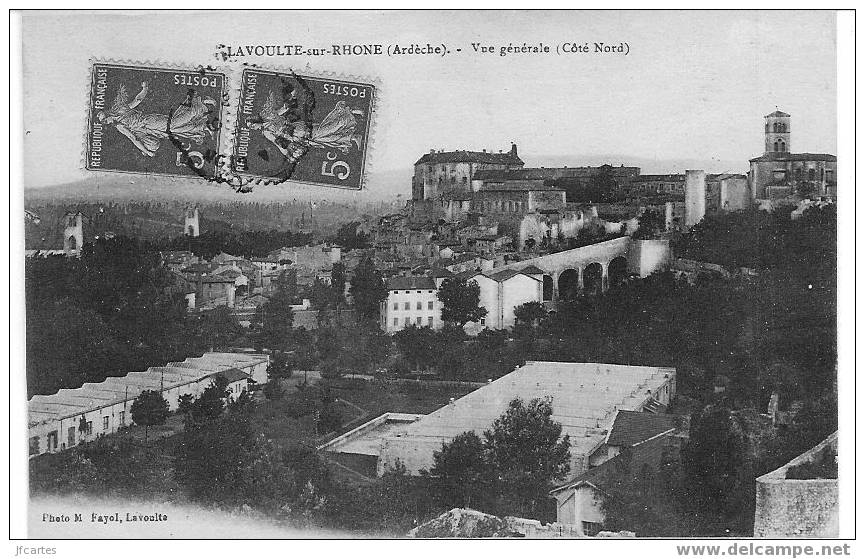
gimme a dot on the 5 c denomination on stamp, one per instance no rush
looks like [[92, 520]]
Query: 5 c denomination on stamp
[[303, 129], [155, 121]]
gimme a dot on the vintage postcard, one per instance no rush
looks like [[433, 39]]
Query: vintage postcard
[[439, 274]]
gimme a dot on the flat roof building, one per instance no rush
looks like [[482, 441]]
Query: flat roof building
[[585, 399]]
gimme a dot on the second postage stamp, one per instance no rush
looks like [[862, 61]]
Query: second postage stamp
[[304, 129]]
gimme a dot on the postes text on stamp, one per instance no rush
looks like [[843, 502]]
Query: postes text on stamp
[[303, 129], [155, 121]]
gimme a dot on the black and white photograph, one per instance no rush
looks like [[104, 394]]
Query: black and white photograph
[[434, 274]]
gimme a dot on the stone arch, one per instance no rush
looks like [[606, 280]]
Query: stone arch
[[593, 278], [549, 288], [569, 284], [617, 270], [73, 243]]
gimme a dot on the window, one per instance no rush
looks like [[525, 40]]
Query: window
[[407, 321], [429, 305], [429, 320], [418, 320], [418, 306], [812, 174], [105, 423], [419, 291], [407, 305], [483, 321], [396, 306], [123, 418], [34, 445], [591, 528], [396, 322], [70, 436]]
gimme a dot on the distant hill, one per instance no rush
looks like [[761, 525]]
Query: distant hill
[[383, 185]]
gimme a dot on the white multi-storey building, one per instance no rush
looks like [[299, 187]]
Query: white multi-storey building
[[411, 300]]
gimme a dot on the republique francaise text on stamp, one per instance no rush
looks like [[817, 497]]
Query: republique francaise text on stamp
[[155, 121]]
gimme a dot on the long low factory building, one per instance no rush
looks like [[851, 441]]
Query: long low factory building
[[75, 415], [585, 399]]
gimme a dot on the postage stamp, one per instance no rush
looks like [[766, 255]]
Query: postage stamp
[[155, 121], [304, 129]]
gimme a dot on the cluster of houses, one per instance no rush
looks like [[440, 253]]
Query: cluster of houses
[[243, 283]]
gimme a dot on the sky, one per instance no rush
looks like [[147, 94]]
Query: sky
[[695, 84]]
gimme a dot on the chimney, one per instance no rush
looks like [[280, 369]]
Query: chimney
[[514, 149]]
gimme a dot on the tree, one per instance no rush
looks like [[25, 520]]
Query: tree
[[531, 312], [367, 289], [273, 389], [211, 403], [460, 301], [280, 366], [275, 318], [329, 419], [349, 237], [218, 327], [337, 283], [149, 408], [184, 404], [460, 476], [417, 344], [528, 453], [651, 224]]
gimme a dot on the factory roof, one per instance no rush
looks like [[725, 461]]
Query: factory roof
[[95, 395], [585, 399]]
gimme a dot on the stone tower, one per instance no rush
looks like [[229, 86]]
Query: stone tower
[[695, 197], [777, 132], [190, 221], [73, 233]]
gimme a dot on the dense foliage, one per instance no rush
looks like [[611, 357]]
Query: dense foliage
[[110, 312]]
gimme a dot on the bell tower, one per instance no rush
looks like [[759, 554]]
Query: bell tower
[[777, 132], [190, 221], [73, 233]]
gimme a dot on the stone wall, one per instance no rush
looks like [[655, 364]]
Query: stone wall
[[806, 508]]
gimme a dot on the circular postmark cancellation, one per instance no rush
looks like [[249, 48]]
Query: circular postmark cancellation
[[174, 122], [305, 129]]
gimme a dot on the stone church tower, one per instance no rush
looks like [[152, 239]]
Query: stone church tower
[[777, 132], [73, 233], [190, 221]]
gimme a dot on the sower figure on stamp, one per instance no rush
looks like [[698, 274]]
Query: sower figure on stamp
[[145, 130], [293, 136]]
